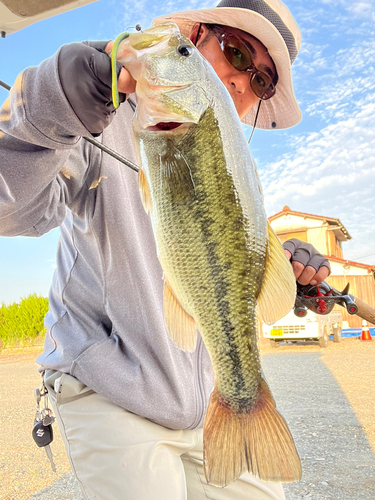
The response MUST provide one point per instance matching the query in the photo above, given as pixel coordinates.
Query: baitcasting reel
(321, 299)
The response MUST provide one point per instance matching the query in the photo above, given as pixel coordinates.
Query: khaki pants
(116, 455)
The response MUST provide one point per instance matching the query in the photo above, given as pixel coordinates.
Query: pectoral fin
(278, 292)
(144, 191)
(176, 175)
(180, 325)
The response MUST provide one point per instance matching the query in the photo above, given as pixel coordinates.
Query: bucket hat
(271, 22)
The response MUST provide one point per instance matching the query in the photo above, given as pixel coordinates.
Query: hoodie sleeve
(43, 160)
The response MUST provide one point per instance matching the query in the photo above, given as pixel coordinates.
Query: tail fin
(259, 442)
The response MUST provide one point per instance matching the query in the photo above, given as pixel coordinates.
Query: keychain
(42, 428)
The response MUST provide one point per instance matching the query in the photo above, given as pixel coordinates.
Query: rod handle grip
(365, 311)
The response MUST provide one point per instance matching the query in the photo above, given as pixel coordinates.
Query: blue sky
(324, 166)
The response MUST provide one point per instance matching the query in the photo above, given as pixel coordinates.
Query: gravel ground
(326, 395)
(24, 468)
(337, 459)
(64, 489)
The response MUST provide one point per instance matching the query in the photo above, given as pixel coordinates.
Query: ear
(194, 32)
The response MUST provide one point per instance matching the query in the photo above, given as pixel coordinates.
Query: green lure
(116, 43)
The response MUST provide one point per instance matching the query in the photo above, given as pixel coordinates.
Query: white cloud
(334, 19)
(329, 169)
(331, 173)
(340, 84)
(310, 59)
(362, 10)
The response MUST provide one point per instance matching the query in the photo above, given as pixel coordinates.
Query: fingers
(308, 274)
(314, 271)
(309, 266)
(320, 276)
(125, 83)
(288, 254)
(91, 100)
(303, 274)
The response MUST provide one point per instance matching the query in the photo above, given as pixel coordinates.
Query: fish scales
(220, 258)
(209, 260)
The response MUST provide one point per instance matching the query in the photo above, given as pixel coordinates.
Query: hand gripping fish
(219, 255)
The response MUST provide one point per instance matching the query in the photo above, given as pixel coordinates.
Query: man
(130, 405)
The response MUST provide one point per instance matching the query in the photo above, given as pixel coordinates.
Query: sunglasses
(239, 56)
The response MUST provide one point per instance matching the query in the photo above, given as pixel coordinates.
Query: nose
(241, 92)
(240, 81)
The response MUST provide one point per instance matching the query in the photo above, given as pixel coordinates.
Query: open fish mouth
(163, 126)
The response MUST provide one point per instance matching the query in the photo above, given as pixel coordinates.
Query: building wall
(318, 238)
(310, 230)
(315, 231)
(337, 268)
(290, 222)
(362, 287)
(334, 246)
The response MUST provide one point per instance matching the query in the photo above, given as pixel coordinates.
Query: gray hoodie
(105, 323)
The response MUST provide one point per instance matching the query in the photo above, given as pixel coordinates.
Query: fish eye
(185, 51)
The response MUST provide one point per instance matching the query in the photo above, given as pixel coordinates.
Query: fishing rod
(5, 85)
(96, 143)
(321, 299)
(318, 298)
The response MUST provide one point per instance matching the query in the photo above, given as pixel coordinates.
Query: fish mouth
(163, 126)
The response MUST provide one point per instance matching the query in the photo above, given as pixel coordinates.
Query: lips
(162, 126)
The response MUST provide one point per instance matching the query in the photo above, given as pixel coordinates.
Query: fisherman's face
(236, 82)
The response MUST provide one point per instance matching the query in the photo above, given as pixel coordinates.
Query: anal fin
(180, 325)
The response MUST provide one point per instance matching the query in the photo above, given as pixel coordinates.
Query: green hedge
(22, 322)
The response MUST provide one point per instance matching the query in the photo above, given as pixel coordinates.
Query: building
(327, 235)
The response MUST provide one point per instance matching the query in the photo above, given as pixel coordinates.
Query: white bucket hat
(272, 23)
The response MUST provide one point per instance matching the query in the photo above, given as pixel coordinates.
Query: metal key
(50, 457)
(47, 417)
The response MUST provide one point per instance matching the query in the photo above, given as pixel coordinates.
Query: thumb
(109, 46)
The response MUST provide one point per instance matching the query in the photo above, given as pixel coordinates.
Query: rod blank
(96, 143)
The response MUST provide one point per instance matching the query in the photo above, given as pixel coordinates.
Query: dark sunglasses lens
(269, 93)
(262, 85)
(237, 54)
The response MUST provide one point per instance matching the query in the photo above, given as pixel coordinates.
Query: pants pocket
(64, 388)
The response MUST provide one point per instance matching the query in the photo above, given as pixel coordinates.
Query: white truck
(292, 328)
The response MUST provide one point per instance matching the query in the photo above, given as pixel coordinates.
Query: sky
(324, 166)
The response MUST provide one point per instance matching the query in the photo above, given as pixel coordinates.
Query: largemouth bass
(220, 258)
